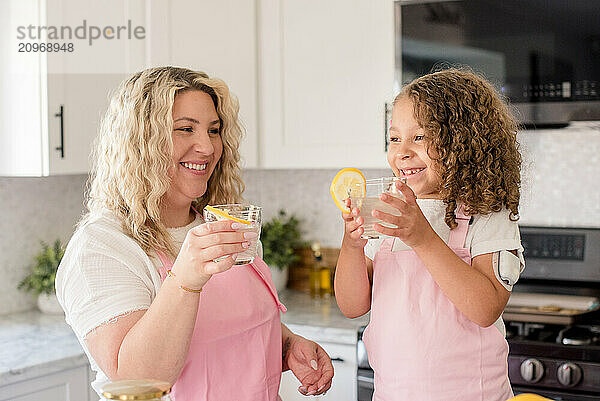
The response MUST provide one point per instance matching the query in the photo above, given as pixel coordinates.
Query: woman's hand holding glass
(208, 249)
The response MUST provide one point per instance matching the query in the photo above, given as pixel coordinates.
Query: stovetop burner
(579, 342)
(579, 335)
(547, 333)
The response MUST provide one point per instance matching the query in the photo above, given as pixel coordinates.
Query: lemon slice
(221, 213)
(342, 182)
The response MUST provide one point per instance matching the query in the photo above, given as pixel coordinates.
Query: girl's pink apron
(420, 346)
(235, 353)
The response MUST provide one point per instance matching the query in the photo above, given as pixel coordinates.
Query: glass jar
(150, 390)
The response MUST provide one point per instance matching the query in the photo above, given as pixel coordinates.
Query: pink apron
(235, 353)
(420, 346)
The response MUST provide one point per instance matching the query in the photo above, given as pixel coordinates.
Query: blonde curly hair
(471, 133)
(133, 152)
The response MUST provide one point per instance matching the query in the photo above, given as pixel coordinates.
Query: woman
(138, 281)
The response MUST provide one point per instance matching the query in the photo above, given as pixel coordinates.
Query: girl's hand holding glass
(353, 227)
(411, 225)
(195, 263)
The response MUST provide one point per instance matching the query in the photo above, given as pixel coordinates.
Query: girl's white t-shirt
(489, 233)
(105, 274)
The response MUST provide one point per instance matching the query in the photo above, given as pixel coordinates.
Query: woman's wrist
(186, 284)
(285, 349)
(172, 275)
(184, 278)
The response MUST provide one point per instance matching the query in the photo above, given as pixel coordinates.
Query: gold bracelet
(198, 291)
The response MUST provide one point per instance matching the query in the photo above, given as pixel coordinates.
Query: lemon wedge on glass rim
(226, 215)
(341, 184)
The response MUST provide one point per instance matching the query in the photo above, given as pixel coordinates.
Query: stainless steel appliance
(552, 319)
(364, 375)
(544, 55)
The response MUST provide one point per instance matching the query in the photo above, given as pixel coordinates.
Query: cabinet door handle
(62, 132)
(337, 359)
(386, 107)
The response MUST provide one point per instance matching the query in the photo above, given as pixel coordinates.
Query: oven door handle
(366, 382)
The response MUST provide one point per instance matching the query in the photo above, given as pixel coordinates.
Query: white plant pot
(280, 277)
(48, 303)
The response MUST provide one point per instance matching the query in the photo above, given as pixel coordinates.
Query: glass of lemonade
(370, 201)
(249, 215)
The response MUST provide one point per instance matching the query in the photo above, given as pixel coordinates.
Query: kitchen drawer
(66, 385)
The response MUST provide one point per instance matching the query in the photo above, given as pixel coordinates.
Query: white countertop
(319, 319)
(33, 344)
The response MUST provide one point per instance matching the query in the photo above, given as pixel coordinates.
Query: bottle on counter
(314, 278)
(320, 274)
(151, 390)
(325, 278)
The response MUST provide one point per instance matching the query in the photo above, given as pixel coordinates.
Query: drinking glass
(370, 201)
(249, 215)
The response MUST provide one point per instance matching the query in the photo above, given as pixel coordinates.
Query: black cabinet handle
(385, 125)
(62, 132)
(337, 360)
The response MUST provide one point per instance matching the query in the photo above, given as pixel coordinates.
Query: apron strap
(166, 264)
(459, 233)
(272, 290)
(387, 244)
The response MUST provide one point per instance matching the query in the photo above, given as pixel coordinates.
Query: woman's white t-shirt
(490, 233)
(105, 274)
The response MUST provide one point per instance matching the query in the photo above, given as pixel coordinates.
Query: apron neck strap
(166, 264)
(459, 233)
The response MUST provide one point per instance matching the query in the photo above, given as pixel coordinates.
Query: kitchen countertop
(319, 319)
(33, 344)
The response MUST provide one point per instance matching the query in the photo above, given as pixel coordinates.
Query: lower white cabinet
(66, 385)
(343, 386)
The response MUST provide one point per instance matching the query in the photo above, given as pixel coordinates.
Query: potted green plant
(281, 237)
(40, 280)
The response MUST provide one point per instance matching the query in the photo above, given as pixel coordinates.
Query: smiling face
(407, 153)
(197, 146)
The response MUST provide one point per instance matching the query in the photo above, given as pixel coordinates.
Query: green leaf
(281, 236)
(43, 270)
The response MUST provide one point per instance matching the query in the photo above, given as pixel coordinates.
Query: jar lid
(136, 389)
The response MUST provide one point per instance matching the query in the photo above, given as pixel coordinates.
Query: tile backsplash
(33, 210)
(560, 187)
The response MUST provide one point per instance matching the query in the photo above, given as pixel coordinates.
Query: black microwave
(543, 55)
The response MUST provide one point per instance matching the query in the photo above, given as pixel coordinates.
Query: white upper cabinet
(219, 38)
(312, 77)
(326, 71)
(52, 101)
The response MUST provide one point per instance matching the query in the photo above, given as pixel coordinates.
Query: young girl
(437, 285)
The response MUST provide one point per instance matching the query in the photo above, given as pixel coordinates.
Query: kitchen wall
(32, 210)
(560, 187)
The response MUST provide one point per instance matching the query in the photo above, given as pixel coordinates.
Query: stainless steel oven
(553, 316)
(364, 374)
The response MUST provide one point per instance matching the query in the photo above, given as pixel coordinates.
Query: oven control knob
(569, 374)
(532, 370)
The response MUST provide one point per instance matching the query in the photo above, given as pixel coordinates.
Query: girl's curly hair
(471, 133)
